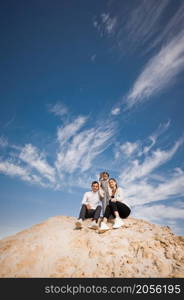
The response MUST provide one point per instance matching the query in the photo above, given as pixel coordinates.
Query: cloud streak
(172, 215)
(66, 132)
(157, 158)
(14, 170)
(59, 109)
(142, 21)
(36, 160)
(76, 150)
(83, 148)
(159, 73)
(160, 212)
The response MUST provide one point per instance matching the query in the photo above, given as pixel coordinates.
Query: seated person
(91, 207)
(117, 206)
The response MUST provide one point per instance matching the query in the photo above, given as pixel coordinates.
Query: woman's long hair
(114, 181)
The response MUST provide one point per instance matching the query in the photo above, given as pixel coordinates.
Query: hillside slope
(55, 248)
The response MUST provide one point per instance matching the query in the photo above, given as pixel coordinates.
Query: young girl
(104, 189)
(117, 206)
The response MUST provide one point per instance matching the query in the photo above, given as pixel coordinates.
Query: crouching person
(91, 207)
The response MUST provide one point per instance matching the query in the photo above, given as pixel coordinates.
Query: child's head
(104, 175)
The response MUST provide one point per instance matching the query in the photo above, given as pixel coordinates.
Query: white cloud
(142, 192)
(13, 170)
(83, 149)
(159, 212)
(116, 111)
(138, 148)
(110, 25)
(36, 160)
(159, 73)
(170, 215)
(153, 138)
(135, 24)
(68, 131)
(107, 24)
(129, 148)
(59, 109)
(76, 150)
(157, 158)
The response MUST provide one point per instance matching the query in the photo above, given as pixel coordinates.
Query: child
(104, 189)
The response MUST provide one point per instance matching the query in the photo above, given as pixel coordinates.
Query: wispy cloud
(58, 109)
(160, 212)
(83, 148)
(128, 148)
(143, 20)
(109, 22)
(134, 25)
(66, 132)
(34, 158)
(172, 215)
(141, 177)
(157, 158)
(142, 192)
(106, 24)
(171, 29)
(14, 170)
(76, 150)
(159, 73)
(154, 136)
(140, 26)
(116, 111)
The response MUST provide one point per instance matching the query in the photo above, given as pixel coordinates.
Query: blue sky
(88, 86)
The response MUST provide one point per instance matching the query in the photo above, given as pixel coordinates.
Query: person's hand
(88, 206)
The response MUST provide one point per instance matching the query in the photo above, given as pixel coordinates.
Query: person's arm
(101, 193)
(85, 201)
(119, 195)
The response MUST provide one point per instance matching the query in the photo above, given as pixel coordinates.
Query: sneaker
(118, 223)
(78, 224)
(93, 225)
(103, 227)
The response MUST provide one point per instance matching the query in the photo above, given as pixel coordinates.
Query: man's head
(95, 186)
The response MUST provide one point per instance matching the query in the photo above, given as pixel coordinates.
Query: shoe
(93, 225)
(78, 224)
(103, 227)
(118, 223)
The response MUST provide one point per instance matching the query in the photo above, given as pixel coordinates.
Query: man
(91, 207)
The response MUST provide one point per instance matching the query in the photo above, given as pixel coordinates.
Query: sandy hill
(55, 248)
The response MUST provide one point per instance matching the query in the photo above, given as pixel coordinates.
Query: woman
(117, 207)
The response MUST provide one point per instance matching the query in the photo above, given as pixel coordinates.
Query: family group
(105, 201)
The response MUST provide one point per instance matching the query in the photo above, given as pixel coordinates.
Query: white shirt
(92, 198)
(119, 196)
